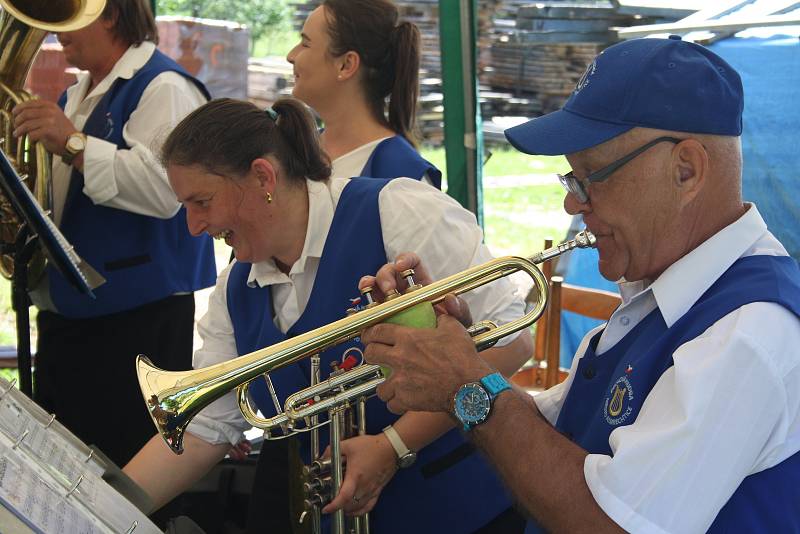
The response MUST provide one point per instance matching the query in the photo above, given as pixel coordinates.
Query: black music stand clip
(36, 230)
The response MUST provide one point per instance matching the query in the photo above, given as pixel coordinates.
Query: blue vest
(143, 259)
(395, 157)
(447, 470)
(607, 393)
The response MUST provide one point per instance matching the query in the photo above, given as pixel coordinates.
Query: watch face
(407, 460)
(472, 404)
(76, 143)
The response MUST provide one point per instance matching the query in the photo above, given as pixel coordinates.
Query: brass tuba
(23, 26)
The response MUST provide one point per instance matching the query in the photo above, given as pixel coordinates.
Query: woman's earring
(269, 197)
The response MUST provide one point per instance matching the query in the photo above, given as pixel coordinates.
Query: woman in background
(352, 56)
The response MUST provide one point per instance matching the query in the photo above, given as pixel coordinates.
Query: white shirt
(131, 180)
(414, 217)
(351, 164)
(728, 408)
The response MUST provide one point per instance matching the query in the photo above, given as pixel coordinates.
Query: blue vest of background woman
(394, 156)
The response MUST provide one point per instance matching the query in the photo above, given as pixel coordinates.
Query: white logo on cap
(584, 81)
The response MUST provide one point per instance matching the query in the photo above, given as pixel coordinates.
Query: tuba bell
(23, 26)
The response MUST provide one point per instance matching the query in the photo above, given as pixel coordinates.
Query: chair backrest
(594, 303)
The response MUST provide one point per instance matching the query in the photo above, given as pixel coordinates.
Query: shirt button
(589, 373)
(624, 320)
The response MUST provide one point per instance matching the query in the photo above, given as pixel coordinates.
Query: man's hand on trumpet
(371, 464)
(428, 365)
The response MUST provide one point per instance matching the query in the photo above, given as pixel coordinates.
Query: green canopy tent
(462, 120)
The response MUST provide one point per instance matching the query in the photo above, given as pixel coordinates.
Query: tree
(261, 16)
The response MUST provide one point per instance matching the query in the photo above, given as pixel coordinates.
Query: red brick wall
(50, 74)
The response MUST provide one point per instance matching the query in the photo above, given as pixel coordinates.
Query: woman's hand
(240, 450)
(371, 464)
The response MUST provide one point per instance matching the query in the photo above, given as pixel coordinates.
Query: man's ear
(349, 63)
(690, 169)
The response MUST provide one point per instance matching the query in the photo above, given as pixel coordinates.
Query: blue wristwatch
(473, 401)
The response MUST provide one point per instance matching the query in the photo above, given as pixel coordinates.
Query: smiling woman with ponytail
(259, 180)
(357, 65)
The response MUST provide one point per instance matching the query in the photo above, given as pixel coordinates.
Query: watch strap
(397, 442)
(495, 384)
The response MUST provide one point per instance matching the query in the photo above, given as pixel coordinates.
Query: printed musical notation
(51, 481)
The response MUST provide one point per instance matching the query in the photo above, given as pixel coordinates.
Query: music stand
(36, 230)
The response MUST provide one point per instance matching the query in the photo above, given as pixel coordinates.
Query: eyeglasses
(579, 187)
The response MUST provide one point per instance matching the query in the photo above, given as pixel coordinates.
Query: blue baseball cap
(666, 84)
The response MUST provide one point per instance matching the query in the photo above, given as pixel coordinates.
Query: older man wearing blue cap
(682, 413)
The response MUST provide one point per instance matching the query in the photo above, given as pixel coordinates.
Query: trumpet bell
(166, 406)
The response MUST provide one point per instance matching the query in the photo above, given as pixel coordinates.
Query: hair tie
(272, 114)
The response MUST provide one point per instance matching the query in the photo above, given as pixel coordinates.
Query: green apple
(418, 316)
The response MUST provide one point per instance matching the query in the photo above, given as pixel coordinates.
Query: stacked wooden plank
(529, 55)
(539, 51)
(268, 79)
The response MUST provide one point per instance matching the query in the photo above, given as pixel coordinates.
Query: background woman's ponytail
(405, 43)
(389, 67)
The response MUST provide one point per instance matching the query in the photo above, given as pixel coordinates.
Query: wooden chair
(545, 372)
(8, 357)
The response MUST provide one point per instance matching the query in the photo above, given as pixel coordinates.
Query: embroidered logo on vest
(109, 126)
(617, 406)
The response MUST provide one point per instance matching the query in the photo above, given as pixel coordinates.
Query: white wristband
(397, 442)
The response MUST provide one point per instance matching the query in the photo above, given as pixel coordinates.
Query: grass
(519, 218)
(504, 161)
(521, 213)
(8, 333)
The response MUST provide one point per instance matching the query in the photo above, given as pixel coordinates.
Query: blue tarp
(770, 70)
(769, 63)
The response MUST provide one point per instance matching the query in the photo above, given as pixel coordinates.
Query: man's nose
(573, 207)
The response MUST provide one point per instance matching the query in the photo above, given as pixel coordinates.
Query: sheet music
(50, 482)
(49, 445)
(38, 504)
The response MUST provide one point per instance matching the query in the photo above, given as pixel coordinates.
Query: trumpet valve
(392, 294)
(408, 274)
(317, 485)
(314, 501)
(366, 292)
(317, 467)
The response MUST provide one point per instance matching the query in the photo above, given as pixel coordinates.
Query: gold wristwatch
(76, 143)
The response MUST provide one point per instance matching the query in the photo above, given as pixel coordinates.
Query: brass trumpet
(173, 398)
